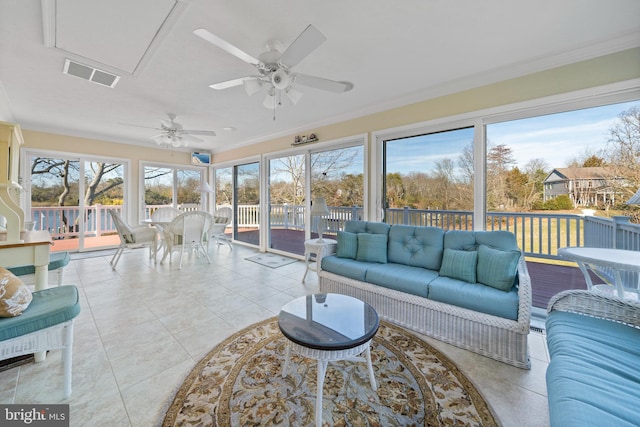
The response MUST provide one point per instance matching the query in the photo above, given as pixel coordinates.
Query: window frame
(587, 98)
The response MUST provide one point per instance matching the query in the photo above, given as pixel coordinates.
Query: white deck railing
(538, 234)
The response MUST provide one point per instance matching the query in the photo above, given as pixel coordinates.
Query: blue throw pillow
(372, 248)
(459, 265)
(347, 245)
(497, 268)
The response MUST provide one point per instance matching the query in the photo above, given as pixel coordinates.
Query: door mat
(271, 260)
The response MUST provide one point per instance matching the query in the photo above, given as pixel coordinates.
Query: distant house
(585, 186)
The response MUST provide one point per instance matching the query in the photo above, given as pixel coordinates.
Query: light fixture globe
(270, 100)
(280, 79)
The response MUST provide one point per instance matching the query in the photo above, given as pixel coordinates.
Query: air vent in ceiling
(89, 73)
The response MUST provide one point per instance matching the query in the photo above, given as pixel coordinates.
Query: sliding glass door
(287, 195)
(336, 175)
(71, 198)
(247, 203)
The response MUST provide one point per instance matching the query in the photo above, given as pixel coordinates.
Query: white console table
(33, 249)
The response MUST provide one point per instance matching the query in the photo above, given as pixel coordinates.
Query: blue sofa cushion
(593, 377)
(460, 240)
(366, 227)
(347, 245)
(56, 260)
(346, 267)
(403, 278)
(416, 246)
(497, 268)
(475, 296)
(498, 239)
(49, 307)
(372, 248)
(459, 265)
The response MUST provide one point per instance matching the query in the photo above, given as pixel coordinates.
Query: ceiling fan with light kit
(172, 133)
(275, 68)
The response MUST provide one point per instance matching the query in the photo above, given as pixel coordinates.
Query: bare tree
(623, 152)
(499, 160)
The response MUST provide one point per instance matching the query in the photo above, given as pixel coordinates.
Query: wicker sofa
(454, 286)
(594, 345)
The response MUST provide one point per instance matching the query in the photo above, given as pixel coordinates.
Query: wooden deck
(546, 279)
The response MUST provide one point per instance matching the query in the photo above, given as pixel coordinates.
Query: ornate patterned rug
(239, 383)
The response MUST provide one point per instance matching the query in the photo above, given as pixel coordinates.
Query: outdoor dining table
(618, 260)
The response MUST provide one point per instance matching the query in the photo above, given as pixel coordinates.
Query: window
(170, 186)
(70, 197)
(428, 179)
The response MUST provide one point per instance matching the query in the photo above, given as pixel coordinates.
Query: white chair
(165, 213)
(189, 229)
(221, 219)
(188, 207)
(161, 218)
(136, 236)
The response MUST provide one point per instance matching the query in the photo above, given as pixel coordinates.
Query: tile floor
(144, 326)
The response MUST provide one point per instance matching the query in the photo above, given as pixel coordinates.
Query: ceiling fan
(275, 68)
(172, 133)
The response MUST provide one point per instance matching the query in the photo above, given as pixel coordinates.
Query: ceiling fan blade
(199, 132)
(307, 42)
(138, 126)
(189, 138)
(322, 84)
(225, 45)
(229, 83)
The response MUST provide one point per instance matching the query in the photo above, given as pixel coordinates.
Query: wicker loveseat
(470, 289)
(594, 346)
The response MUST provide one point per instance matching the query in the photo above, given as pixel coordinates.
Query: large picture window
(554, 180)
(428, 179)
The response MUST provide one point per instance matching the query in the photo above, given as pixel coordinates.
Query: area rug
(239, 383)
(271, 260)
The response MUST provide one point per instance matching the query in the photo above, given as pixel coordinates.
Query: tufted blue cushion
(416, 246)
(347, 245)
(372, 248)
(497, 268)
(459, 265)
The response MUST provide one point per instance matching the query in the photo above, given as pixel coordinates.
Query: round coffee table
(328, 328)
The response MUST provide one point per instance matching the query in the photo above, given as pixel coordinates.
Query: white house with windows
(585, 186)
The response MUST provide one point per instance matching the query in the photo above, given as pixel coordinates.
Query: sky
(556, 138)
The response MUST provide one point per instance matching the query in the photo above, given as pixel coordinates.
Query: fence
(538, 234)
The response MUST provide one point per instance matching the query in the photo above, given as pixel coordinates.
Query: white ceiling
(395, 53)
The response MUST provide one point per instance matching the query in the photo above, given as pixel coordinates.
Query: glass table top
(328, 321)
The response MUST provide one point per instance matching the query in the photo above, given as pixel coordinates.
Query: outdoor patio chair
(187, 230)
(165, 213)
(133, 236)
(221, 219)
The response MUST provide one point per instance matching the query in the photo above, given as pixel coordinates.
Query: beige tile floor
(144, 326)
